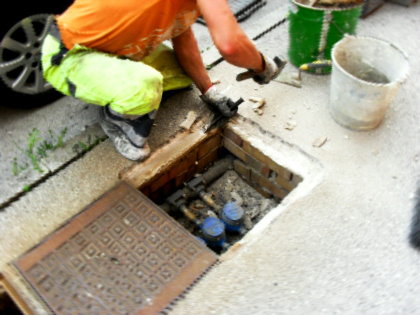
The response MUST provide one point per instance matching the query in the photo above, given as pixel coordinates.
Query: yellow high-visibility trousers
(129, 87)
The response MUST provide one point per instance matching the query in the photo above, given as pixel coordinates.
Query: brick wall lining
(261, 172)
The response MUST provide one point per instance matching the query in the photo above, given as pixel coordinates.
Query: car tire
(22, 84)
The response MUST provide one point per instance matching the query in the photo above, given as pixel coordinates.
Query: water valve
(213, 232)
(233, 216)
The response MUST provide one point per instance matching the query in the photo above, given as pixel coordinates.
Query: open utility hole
(221, 189)
(7, 305)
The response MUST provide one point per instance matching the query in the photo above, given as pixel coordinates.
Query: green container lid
(313, 31)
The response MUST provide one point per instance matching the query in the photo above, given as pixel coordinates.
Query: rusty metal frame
(122, 254)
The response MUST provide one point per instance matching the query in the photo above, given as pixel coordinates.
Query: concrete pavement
(336, 244)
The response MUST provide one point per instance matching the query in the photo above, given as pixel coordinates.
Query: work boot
(129, 133)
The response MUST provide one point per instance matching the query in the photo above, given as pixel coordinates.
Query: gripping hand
(220, 101)
(272, 69)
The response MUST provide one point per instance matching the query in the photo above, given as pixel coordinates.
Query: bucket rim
(347, 37)
(354, 6)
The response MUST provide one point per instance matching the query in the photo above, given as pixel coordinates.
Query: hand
(272, 69)
(220, 101)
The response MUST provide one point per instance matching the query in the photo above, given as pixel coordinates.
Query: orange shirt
(133, 28)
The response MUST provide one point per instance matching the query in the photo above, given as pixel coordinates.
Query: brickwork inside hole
(268, 177)
(251, 167)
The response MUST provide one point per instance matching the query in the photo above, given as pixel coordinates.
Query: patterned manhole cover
(121, 255)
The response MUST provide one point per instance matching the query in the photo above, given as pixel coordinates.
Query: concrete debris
(248, 223)
(259, 103)
(293, 79)
(265, 205)
(231, 187)
(215, 81)
(211, 213)
(188, 122)
(319, 142)
(239, 201)
(290, 124)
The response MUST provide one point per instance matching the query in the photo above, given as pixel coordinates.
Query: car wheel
(22, 82)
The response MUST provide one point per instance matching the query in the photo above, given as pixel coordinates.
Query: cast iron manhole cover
(121, 255)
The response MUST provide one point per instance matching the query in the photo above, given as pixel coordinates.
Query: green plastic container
(313, 31)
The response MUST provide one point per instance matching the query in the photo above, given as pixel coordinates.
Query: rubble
(290, 124)
(248, 223)
(188, 122)
(231, 187)
(259, 103)
(211, 213)
(239, 201)
(319, 142)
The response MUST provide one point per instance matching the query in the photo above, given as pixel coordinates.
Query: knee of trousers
(140, 96)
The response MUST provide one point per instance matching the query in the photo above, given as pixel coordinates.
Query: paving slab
(340, 247)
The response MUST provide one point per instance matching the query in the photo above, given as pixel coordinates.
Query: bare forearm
(189, 57)
(229, 38)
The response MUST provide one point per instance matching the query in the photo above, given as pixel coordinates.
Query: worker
(111, 53)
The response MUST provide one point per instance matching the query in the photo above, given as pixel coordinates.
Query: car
(23, 28)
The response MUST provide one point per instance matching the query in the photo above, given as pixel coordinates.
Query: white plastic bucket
(366, 75)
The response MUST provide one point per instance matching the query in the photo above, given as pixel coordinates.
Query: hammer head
(280, 63)
(250, 74)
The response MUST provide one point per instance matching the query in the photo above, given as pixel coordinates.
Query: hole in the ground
(7, 305)
(221, 189)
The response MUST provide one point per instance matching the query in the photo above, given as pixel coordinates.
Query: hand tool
(283, 77)
(315, 65)
(294, 79)
(220, 119)
(249, 74)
